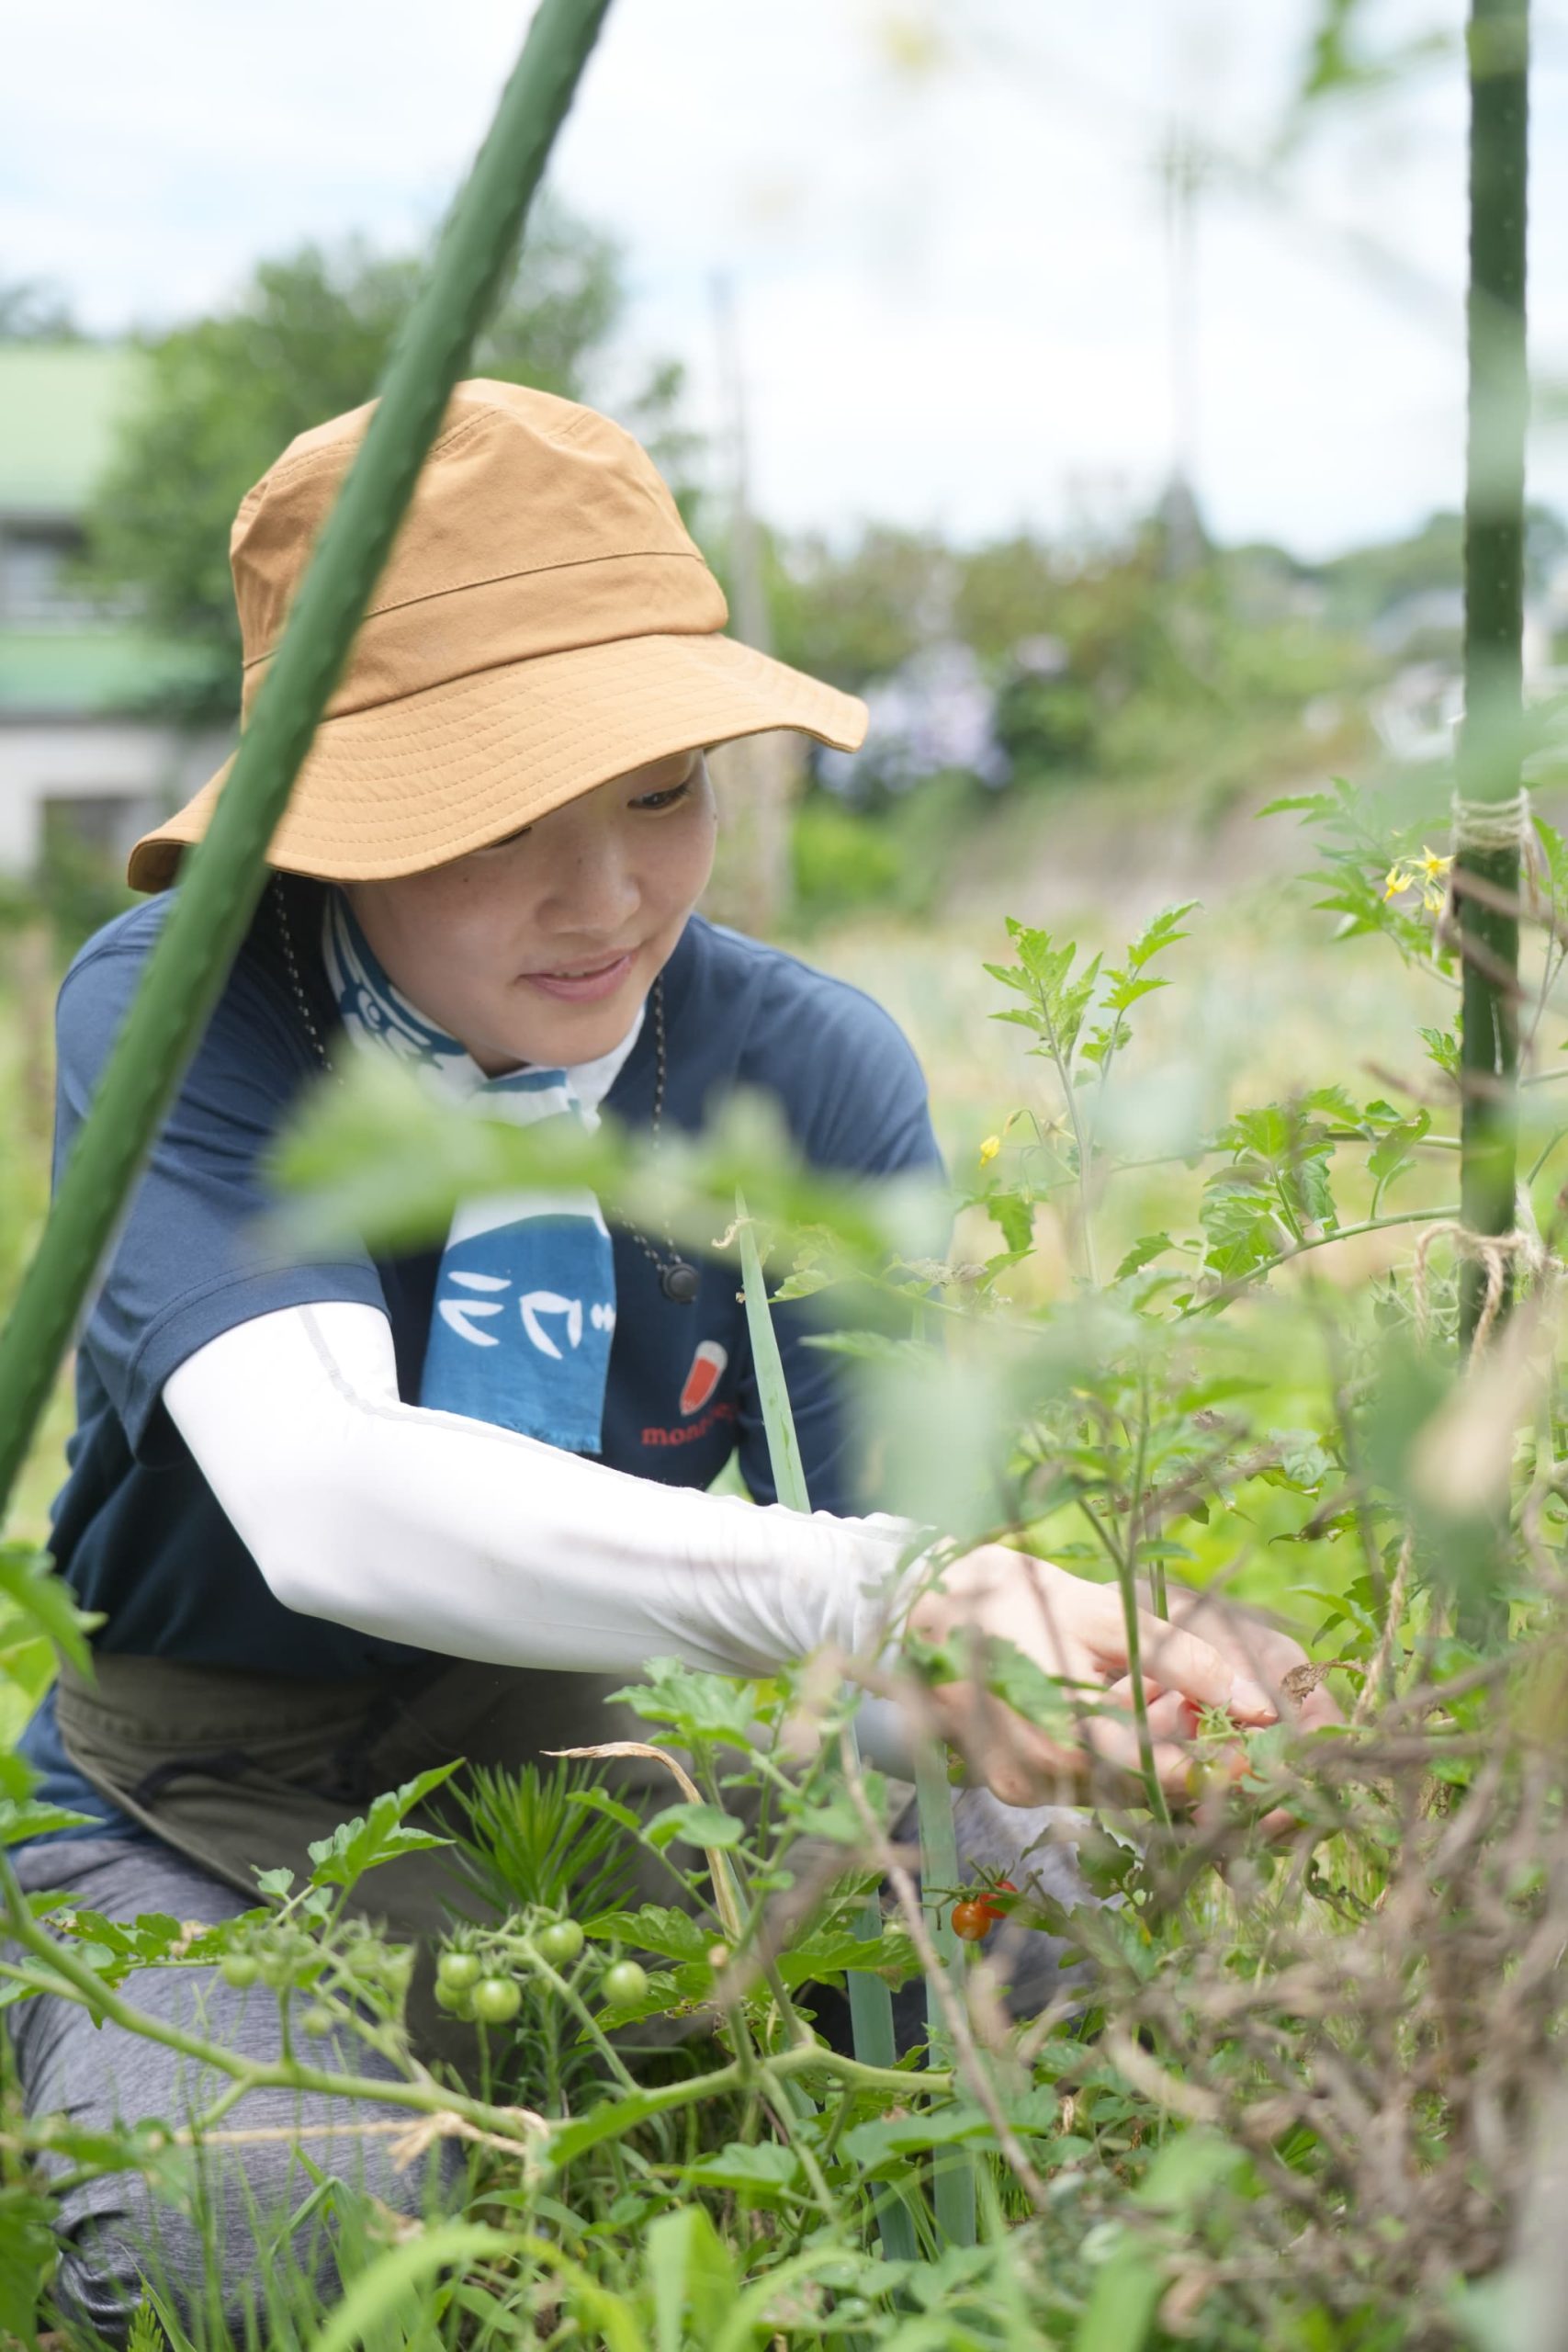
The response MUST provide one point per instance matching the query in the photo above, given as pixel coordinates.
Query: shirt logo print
(707, 1370)
(460, 1314)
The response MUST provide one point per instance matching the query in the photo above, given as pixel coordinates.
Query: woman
(302, 1491)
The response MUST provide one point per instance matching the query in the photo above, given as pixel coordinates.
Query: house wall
(119, 777)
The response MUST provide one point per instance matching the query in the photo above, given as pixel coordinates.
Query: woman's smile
(585, 984)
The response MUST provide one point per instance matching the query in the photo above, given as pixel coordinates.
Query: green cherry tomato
(459, 2003)
(317, 2020)
(240, 1969)
(560, 1943)
(497, 2000)
(458, 1971)
(625, 1985)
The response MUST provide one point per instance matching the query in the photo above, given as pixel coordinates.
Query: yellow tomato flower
(990, 1150)
(1427, 873)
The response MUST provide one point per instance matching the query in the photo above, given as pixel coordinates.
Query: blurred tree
(1363, 583)
(1007, 590)
(32, 311)
(308, 338)
(853, 617)
(1367, 580)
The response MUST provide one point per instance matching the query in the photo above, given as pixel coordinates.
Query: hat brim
(407, 785)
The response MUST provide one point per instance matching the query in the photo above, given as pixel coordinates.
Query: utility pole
(756, 777)
(1182, 169)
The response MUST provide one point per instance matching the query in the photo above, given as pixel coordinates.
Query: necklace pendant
(680, 1281)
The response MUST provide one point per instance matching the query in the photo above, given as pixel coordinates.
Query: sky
(942, 222)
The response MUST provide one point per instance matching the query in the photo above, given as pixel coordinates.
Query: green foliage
(39, 1617)
(27, 2254)
(530, 1841)
(1340, 65)
(842, 860)
(1057, 995)
(1060, 991)
(1171, 2152)
(1131, 982)
(707, 1710)
(1100, 660)
(381, 1836)
(75, 888)
(39, 1606)
(665, 2213)
(887, 853)
(145, 2335)
(850, 618)
(1359, 860)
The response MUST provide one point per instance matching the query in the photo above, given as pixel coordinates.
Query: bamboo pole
(1487, 826)
(212, 909)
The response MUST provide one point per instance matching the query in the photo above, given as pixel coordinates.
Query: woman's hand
(1254, 1648)
(1076, 1632)
(1271, 1658)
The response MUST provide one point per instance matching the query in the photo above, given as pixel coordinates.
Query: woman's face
(540, 949)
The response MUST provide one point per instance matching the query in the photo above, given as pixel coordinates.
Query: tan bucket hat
(545, 622)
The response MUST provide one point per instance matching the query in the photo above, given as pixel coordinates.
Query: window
(36, 574)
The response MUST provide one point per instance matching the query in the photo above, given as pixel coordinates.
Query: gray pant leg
(1033, 1845)
(111, 2229)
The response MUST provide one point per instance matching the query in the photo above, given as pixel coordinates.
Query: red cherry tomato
(977, 1914)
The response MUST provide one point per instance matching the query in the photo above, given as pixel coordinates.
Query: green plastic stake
(228, 872)
(952, 2169)
(871, 2001)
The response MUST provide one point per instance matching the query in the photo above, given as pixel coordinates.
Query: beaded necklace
(678, 1279)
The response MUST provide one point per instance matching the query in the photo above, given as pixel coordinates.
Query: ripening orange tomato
(977, 1914)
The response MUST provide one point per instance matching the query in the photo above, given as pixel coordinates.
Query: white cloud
(953, 291)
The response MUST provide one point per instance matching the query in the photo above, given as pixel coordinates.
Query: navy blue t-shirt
(137, 1531)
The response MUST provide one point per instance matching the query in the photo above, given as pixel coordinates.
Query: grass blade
(377, 2293)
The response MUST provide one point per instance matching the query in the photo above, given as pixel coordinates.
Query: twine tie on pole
(1495, 1252)
(1490, 824)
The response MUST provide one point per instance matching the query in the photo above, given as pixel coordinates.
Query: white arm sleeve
(457, 1536)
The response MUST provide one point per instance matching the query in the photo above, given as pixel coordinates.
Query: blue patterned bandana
(525, 1299)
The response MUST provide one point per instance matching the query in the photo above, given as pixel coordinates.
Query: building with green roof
(84, 748)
